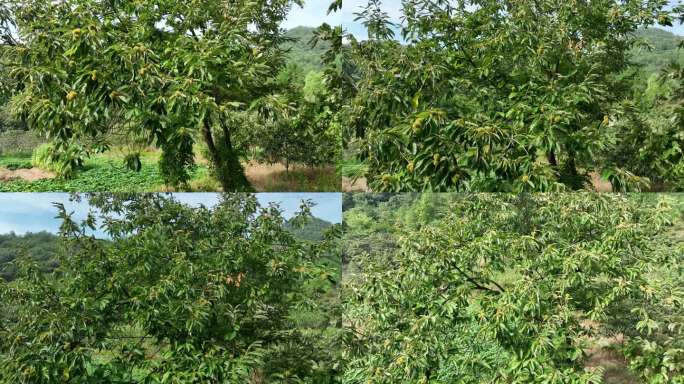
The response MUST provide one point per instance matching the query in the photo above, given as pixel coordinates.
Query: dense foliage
(493, 95)
(513, 289)
(299, 124)
(176, 295)
(301, 121)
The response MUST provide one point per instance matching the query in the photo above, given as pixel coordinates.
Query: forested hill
(313, 230)
(665, 49)
(41, 246)
(301, 52)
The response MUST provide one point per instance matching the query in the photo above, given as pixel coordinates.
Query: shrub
(64, 162)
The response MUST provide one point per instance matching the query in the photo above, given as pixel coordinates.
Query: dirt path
(615, 368)
(357, 186)
(599, 184)
(32, 174)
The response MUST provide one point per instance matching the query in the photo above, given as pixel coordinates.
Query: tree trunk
(225, 162)
(575, 180)
(209, 140)
(226, 136)
(552, 159)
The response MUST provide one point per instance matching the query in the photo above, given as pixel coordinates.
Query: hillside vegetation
(41, 248)
(302, 53)
(660, 50)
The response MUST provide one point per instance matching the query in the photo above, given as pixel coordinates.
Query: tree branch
(477, 285)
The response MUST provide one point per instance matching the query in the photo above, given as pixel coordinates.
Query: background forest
(514, 96)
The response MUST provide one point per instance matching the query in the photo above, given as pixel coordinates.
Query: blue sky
(393, 9)
(312, 14)
(33, 212)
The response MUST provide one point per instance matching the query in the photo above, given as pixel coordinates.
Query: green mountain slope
(313, 230)
(664, 49)
(301, 52)
(41, 247)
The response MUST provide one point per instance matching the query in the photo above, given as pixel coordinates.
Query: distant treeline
(302, 53)
(42, 247)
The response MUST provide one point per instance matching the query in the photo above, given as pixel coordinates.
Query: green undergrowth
(15, 162)
(100, 174)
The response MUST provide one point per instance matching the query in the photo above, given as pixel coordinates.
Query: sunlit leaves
(85, 70)
(515, 289)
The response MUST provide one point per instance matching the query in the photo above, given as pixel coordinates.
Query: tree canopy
(176, 75)
(496, 95)
(177, 295)
(516, 289)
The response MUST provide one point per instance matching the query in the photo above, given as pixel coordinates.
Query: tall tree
(169, 73)
(517, 289)
(178, 294)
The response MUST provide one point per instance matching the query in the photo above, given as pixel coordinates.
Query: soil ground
(615, 368)
(32, 174)
(354, 186)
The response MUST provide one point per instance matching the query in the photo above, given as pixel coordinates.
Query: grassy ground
(101, 173)
(107, 172)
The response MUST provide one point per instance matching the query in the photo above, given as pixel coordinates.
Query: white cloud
(313, 14)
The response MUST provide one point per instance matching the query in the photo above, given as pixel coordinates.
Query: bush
(64, 162)
(42, 157)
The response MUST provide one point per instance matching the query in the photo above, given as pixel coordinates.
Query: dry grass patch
(274, 178)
